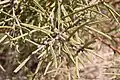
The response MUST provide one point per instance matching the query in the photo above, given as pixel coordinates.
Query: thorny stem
(109, 45)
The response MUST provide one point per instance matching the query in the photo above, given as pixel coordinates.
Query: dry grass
(59, 40)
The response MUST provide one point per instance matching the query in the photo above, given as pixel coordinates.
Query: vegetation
(46, 38)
